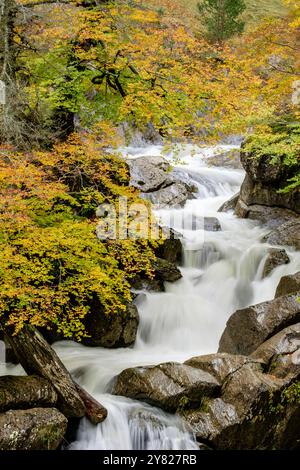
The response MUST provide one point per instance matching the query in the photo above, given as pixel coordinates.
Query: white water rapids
(221, 272)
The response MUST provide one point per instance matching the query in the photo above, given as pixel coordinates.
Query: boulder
(230, 205)
(287, 234)
(171, 248)
(272, 217)
(26, 392)
(220, 365)
(229, 159)
(166, 271)
(169, 386)
(34, 429)
(248, 328)
(276, 257)
(250, 413)
(211, 224)
(264, 179)
(149, 174)
(288, 285)
(281, 353)
(175, 195)
(156, 180)
(113, 331)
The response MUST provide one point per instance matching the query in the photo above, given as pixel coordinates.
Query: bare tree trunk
(95, 412)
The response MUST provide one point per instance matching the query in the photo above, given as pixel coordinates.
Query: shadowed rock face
(246, 329)
(288, 285)
(168, 386)
(34, 429)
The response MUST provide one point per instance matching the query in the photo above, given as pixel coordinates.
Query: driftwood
(37, 357)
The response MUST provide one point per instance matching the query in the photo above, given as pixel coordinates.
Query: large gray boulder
(288, 285)
(287, 234)
(168, 386)
(26, 392)
(156, 180)
(276, 257)
(248, 328)
(34, 429)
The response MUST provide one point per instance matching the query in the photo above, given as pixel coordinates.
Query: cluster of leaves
(53, 267)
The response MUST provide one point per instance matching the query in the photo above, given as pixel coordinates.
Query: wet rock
(288, 285)
(281, 353)
(276, 257)
(220, 365)
(287, 234)
(111, 331)
(168, 386)
(166, 271)
(160, 184)
(249, 414)
(212, 224)
(230, 205)
(272, 217)
(35, 429)
(25, 392)
(150, 285)
(175, 195)
(171, 249)
(248, 328)
(149, 174)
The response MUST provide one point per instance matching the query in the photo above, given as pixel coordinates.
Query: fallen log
(95, 412)
(37, 357)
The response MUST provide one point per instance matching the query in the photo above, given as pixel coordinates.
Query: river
(221, 272)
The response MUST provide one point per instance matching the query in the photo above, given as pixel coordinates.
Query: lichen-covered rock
(111, 331)
(34, 429)
(248, 328)
(25, 392)
(276, 257)
(220, 365)
(168, 386)
(288, 285)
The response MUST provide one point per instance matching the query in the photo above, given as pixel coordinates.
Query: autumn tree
(221, 18)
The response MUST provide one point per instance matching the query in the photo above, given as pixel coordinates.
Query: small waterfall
(221, 272)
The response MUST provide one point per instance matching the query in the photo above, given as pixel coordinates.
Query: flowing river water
(222, 271)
